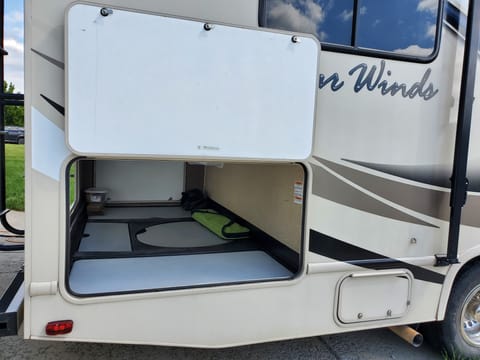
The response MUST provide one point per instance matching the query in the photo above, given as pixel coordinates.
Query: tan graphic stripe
(434, 203)
(332, 188)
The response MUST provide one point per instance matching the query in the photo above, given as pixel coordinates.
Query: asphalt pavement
(372, 345)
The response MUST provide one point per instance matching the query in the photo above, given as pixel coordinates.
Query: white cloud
(431, 31)
(13, 43)
(346, 15)
(14, 17)
(14, 63)
(363, 10)
(414, 50)
(14, 25)
(428, 5)
(15, 32)
(289, 17)
(315, 12)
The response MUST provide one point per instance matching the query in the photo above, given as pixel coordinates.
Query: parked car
(14, 134)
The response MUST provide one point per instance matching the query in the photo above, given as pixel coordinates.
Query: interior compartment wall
(261, 194)
(140, 180)
(194, 177)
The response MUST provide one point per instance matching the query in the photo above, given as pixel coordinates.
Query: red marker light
(59, 327)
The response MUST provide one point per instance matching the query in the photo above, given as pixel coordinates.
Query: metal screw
(413, 240)
(208, 26)
(360, 315)
(389, 312)
(295, 39)
(106, 11)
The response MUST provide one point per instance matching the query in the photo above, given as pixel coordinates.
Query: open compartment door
(142, 84)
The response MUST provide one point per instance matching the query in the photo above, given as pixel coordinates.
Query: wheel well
(447, 289)
(468, 265)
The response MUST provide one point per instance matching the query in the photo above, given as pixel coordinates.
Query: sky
(13, 43)
(403, 26)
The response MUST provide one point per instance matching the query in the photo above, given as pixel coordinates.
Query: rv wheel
(460, 330)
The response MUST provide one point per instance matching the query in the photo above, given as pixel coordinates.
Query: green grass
(454, 356)
(73, 181)
(15, 176)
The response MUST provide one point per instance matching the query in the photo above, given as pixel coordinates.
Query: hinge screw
(208, 27)
(295, 39)
(106, 11)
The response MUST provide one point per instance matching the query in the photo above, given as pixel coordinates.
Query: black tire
(21, 140)
(459, 332)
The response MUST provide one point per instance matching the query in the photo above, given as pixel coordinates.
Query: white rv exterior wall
(357, 126)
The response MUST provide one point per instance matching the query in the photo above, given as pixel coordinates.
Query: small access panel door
(143, 84)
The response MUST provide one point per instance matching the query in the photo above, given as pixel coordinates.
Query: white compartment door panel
(142, 84)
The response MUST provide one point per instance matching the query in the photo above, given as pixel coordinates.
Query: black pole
(3, 206)
(459, 179)
(6, 99)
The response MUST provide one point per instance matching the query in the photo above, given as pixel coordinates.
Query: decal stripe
(334, 189)
(50, 59)
(430, 202)
(430, 174)
(339, 250)
(56, 106)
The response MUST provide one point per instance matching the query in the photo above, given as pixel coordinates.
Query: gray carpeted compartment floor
(180, 234)
(108, 236)
(103, 276)
(130, 274)
(105, 237)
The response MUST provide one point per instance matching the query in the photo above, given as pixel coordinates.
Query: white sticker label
(298, 192)
(48, 146)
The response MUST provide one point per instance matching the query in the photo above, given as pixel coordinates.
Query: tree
(13, 114)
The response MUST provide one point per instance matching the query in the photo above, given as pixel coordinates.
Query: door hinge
(43, 288)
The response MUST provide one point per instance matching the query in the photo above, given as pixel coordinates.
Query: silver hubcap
(471, 318)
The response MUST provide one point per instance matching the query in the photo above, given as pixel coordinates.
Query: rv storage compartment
(369, 296)
(145, 240)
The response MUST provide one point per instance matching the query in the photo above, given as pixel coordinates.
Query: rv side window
(399, 27)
